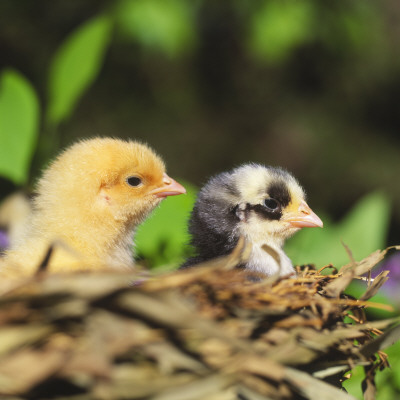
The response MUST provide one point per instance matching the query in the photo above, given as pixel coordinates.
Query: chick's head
(106, 179)
(263, 204)
(271, 202)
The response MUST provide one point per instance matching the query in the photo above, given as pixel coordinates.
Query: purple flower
(391, 287)
(4, 241)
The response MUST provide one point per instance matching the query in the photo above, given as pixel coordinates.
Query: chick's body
(265, 205)
(89, 201)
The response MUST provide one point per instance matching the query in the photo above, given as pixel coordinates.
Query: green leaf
(75, 66)
(357, 289)
(166, 25)
(357, 28)
(353, 385)
(19, 121)
(278, 27)
(393, 353)
(363, 230)
(163, 238)
(387, 381)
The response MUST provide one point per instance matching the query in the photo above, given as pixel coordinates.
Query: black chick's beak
(170, 187)
(304, 217)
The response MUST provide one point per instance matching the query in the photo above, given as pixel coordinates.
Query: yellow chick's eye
(133, 181)
(272, 204)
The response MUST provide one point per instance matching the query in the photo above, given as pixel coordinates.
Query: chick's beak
(304, 217)
(170, 187)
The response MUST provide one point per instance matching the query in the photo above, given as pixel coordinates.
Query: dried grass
(211, 332)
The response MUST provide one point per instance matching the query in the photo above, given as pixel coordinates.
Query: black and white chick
(265, 205)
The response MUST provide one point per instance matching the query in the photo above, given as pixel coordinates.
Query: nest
(211, 333)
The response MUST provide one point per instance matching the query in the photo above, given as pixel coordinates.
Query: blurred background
(308, 85)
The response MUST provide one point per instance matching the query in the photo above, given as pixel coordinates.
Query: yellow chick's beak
(170, 188)
(304, 217)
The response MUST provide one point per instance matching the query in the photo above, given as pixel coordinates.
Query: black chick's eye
(272, 205)
(133, 181)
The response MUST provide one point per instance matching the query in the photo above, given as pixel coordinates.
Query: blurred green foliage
(362, 28)
(172, 24)
(19, 123)
(163, 240)
(75, 66)
(278, 27)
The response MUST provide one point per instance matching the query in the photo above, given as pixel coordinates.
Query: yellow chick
(89, 202)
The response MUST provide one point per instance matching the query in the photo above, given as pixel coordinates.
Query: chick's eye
(133, 181)
(271, 204)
